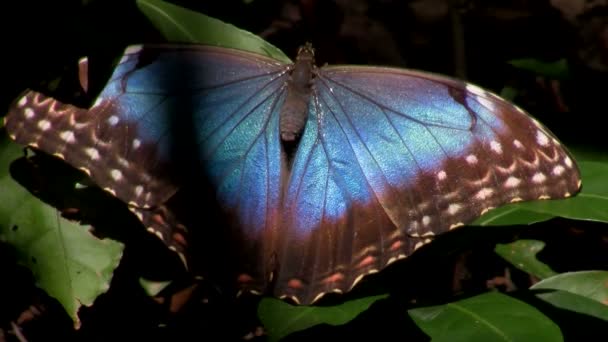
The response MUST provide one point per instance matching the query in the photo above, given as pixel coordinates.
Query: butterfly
(324, 174)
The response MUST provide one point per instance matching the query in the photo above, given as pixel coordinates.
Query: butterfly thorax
(295, 108)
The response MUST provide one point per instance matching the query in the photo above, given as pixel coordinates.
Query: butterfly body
(326, 173)
(295, 108)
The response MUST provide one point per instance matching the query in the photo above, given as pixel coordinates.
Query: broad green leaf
(590, 284)
(584, 153)
(487, 317)
(67, 262)
(178, 24)
(575, 303)
(556, 70)
(589, 204)
(522, 254)
(281, 319)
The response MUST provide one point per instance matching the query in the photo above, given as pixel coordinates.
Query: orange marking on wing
(158, 219)
(396, 245)
(179, 238)
(366, 261)
(295, 283)
(334, 278)
(244, 278)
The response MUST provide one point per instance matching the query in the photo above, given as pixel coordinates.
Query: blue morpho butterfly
(327, 173)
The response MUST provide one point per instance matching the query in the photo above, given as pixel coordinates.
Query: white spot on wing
(518, 144)
(426, 220)
(454, 208)
(136, 143)
(441, 175)
(558, 170)
(67, 136)
(116, 174)
(139, 190)
(123, 162)
(484, 193)
(92, 153)
(44, 125)
(541, 138)
(512, 182)
(22, 102)
(113, 120)
(471, 159)
(539, 177)
(496, 146)
(568, 161)
(29, 113)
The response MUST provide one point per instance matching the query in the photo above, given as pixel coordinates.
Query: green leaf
(588, 153)
(508, 93)
(487, 317)
(178, 24)
(575, 303)
(589, 204)
(522, 254)
(67, 262)
(590, 284)
(281, 319)
(555, 70)
(153, 287)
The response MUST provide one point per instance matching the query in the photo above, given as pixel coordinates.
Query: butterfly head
(306, 54)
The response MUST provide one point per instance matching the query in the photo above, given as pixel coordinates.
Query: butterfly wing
(158, 100)
(390, 158)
